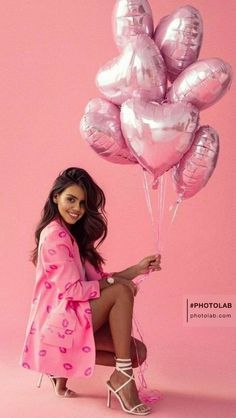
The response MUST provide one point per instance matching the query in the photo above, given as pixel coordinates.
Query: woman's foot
(61, 389)
(129, 393)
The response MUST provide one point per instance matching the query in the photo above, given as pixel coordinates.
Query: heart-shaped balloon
(131, 18)
(202, 83)
(197, 165)
(158, 135)
(179, 38)
(100, 127)
(140, 70)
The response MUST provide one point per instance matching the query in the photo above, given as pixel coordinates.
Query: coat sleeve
(104, 274)
(95, 274)
(56, 252)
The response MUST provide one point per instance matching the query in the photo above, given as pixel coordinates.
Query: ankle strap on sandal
(123, 364)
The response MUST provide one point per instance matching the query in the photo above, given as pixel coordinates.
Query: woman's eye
(71, 199)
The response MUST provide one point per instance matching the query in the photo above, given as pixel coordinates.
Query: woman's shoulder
(55, 230)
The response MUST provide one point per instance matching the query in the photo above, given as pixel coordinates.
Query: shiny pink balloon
(158, 135)
(140, 70)
(202, 83)
(197, 165)
(100, 127)
(179, 38)
(131, 18)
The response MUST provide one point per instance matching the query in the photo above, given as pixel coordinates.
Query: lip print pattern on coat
(42, 352)
(88, 371)
(68, 281)
(67, 366)
(86, 349)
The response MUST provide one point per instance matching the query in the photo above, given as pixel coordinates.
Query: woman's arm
(147, 264)
(130, 273)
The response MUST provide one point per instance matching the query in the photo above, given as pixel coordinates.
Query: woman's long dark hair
(93, 224)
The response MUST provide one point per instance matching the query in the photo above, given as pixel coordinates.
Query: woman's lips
(73, 215)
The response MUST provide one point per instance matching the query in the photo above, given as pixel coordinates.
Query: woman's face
(71, 204)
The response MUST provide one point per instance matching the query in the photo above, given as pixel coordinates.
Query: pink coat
(59, 336)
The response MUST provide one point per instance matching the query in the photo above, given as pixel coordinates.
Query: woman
(81, 315)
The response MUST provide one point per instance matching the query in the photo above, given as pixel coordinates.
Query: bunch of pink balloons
(153, 92)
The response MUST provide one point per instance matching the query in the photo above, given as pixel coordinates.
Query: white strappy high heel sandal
(68, 392)
(122, 365)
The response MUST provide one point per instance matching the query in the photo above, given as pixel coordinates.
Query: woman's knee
(138, 352)
(124, 291)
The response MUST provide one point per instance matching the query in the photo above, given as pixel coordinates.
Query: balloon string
(148, 200)
(141, 377)
(160, 209)
(147, 396)
(175, 207)
(144, 276)
(160, 214)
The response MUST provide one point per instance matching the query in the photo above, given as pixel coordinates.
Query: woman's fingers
(154, 269)
(156, 258)
(154, 265)
(152, 258)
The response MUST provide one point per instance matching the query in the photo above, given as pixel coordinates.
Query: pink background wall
(50, 53)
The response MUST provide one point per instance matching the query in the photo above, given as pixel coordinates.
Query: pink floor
(21, 397)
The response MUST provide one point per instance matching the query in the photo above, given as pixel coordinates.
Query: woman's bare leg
(105, 350)
(115, 305)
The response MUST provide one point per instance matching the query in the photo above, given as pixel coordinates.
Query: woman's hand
(149, 263)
